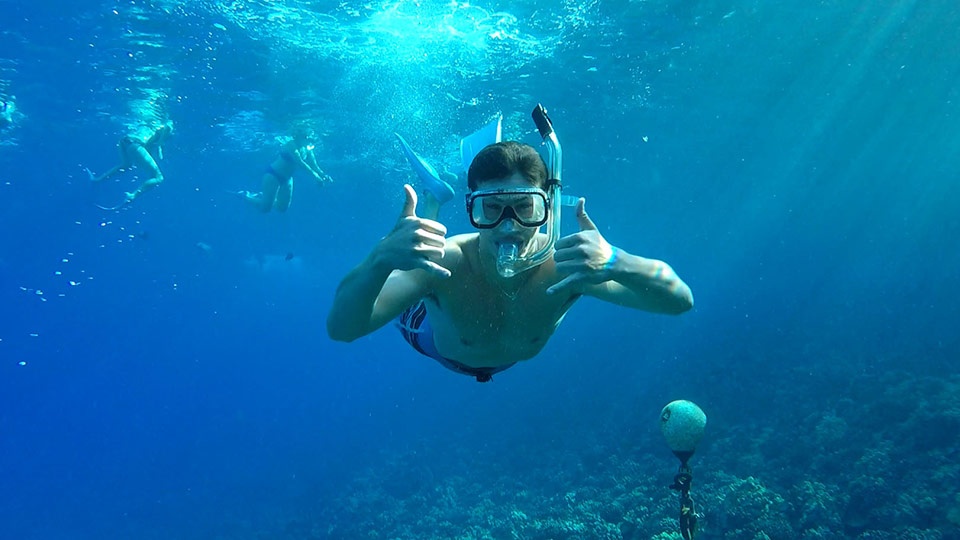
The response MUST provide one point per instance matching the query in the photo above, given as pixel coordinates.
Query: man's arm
(401, 269)
(370, 296)
(642, 283)
(593, 267)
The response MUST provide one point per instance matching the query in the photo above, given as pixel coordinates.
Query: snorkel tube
(509, 260)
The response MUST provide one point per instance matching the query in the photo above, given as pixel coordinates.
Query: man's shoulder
(464, 239)
(455, 247)
(454, 256)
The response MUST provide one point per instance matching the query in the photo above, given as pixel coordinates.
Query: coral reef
(875, 457)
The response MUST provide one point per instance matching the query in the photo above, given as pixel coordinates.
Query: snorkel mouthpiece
(507, 259)
(509, 262)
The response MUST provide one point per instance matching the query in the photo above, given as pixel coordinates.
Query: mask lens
(528, 208)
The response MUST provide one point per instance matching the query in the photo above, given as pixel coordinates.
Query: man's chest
(482, 312)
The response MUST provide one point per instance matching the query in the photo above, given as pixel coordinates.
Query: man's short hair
(504, 159)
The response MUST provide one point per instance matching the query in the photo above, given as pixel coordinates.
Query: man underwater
(451, 301)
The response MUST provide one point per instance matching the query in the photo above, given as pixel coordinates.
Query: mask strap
(569, 200)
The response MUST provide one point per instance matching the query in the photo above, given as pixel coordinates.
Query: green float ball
(682, 424)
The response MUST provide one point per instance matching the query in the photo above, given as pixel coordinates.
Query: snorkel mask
(489, 208)
(509, 260)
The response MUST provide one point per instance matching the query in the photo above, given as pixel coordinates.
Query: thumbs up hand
(583, 258)
(414, 242)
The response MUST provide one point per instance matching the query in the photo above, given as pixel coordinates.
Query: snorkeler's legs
(125, 163)
(428, 205)
(125, 158)
(430, 179)
(143, 160)
(144, 187)
(284, 196)
(104, 176)
(268, 193)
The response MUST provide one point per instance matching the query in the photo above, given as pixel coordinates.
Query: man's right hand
(414, 243)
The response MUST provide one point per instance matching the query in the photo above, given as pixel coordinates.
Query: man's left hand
(584, 258)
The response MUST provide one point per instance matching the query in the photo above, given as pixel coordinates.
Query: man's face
(508, 230)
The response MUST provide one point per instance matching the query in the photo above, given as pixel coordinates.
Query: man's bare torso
(480, 323)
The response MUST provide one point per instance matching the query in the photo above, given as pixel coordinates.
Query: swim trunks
(416, 329)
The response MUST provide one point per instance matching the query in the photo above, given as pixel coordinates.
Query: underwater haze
(165, 370)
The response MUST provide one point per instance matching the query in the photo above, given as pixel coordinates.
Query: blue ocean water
(165, 370)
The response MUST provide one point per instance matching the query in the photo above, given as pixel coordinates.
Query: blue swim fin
(428, 175)
(471, 145)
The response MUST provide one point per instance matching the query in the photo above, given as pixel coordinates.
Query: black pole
(688, 512)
